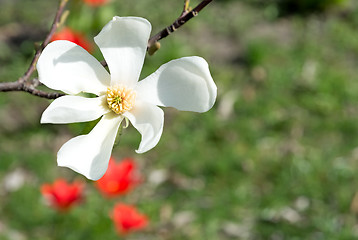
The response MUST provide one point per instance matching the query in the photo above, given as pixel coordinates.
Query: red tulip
(73, 36)
(119, 178)
(127, 219)
(96, 3)
(62, 195)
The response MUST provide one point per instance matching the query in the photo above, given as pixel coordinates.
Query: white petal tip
(185, 84)
(89, 154)
(89, 176)
(44, 119)
(139, 152)
(94, 178)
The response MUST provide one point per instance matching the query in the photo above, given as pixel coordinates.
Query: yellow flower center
(120, 99)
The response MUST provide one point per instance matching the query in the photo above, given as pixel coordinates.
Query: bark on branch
(24, 83)
(185, 16)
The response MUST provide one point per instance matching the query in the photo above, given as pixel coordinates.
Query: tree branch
(185, 16)
(47, 40)
(28, 87)
(22, 84)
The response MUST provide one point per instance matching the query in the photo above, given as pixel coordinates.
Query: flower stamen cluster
(120, 99)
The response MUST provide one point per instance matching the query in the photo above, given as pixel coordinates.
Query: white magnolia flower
(185, 84)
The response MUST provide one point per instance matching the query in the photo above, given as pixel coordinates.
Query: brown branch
(28, 87)
(180, 21)
(47, 40)
(22, 84)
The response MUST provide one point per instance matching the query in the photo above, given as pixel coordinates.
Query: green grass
(276, 158)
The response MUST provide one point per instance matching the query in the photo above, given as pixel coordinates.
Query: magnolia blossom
(185, 84)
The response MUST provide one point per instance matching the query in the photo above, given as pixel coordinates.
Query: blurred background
(276, 158)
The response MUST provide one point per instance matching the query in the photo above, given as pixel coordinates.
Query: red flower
(72, 36)
(62, 195)
(119, 178)
(96, 3)
(126, 219)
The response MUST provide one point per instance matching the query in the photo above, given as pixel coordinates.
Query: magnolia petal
(185, 84)
(148, 119)
(71, 109)
(65, 66)
(123, 43)
(89, 154)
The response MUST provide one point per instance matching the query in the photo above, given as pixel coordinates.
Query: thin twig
(180, 21)
(186, 8)
(22, 83)
(46, 41)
